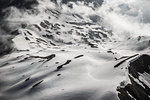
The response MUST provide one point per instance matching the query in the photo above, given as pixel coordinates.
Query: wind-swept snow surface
(74, 50)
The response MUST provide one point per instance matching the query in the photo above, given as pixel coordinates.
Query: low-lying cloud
(127, 18)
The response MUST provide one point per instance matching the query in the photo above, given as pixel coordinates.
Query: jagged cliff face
(70, 50)
(27, 3)
(96, 3)
(71, 28)
(139, 72)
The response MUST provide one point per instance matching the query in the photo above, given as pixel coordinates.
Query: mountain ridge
(56, 52)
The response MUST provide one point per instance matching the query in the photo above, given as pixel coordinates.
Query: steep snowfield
(70, 74)
(58, 52)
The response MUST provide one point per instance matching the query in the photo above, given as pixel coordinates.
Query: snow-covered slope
(53, 50)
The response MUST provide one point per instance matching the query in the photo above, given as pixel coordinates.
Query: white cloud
(127, 17)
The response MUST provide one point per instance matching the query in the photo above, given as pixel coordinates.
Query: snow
(28, 74)
(94, 72)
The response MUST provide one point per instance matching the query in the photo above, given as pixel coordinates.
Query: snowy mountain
(74, 50)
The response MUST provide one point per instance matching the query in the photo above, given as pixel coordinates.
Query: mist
(74, 49)
(127, 18)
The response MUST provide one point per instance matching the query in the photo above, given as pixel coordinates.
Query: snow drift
(74, 50)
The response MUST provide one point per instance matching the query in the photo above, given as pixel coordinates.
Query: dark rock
(96, 3)
(80, 23)
(40, 40)
(43, 25)
(23, 25)
(27, 38)
(109, 51)
(49, 36)
(140, 65)
(57, 63)
(95, 18)
(78, 56)
(29, 33)
(37, 27)
(137, 90)
(16, 32)
(23, 59)
(58, 74)
(27, 79)
(124, 60)
(92, 45)
(48, 31)
(37, 84)
(47, 57)
(61, 66)
(47, 22)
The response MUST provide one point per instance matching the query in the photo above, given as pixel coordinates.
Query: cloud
(5, 43)
(126, 17)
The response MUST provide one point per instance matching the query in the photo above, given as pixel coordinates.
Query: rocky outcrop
(96, 3)
(139, 88)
